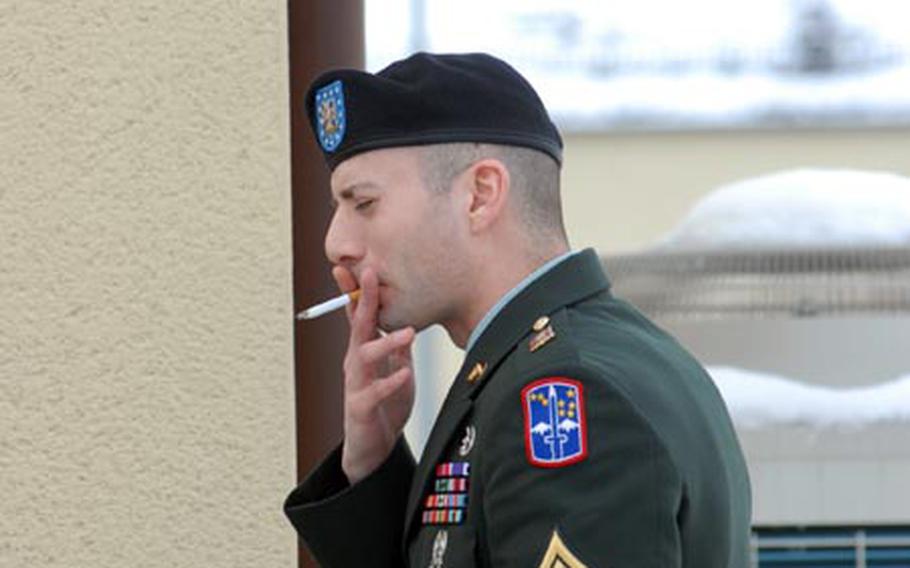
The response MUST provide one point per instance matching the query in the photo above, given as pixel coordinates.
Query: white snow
(652, 64)
(705, 99)
(760, 400)
(799, 208)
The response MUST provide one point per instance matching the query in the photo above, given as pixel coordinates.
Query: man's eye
(363, 205)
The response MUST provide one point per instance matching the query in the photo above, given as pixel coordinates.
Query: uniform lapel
(570, 281)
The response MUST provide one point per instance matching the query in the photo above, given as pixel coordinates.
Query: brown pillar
(322, 34)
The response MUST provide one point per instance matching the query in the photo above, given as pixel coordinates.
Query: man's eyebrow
(350, 191)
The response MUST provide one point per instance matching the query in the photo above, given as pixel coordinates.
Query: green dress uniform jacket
(647, 472)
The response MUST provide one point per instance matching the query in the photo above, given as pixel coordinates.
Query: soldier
(576, 433)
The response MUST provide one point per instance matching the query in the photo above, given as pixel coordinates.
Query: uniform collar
(578, 276)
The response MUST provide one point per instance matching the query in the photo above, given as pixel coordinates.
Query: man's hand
(378, 381)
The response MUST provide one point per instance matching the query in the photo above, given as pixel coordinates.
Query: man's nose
(342, 244)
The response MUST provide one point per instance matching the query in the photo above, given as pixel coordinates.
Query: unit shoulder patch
(558, 555)
(555, 427)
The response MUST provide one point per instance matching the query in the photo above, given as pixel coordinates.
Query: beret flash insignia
(331, 118)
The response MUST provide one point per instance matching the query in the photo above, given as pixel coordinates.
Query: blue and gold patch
(555, 427)
(331, 117)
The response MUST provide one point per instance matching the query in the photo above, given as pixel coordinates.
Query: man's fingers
(384, 388)
(344, 279)
(363, 324)
(396, 342)
(401, 356)
(346, 282)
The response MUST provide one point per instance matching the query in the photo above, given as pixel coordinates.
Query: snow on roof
(799, 208)
(759, 400)
(708, 99)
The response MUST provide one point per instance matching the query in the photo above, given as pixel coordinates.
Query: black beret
(428, 99)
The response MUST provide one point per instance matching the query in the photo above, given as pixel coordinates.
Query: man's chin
(389, 327)
(389, 322)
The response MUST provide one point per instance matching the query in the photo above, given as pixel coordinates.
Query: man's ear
(489, 193)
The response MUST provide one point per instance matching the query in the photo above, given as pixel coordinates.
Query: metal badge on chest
(467, 442)
(543, 333)
(439, 549)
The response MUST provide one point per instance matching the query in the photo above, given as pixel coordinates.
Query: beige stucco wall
(146, 388)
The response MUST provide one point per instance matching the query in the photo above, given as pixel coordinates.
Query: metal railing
(806, 550)
(798, 282)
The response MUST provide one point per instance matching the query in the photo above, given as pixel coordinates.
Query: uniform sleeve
(614, 504)
(358, 525)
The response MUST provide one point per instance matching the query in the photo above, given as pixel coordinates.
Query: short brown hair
(534, 175)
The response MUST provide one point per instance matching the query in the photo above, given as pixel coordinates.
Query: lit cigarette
(329, 305)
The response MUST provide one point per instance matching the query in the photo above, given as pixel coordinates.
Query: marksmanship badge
(331, 118)
(554, 418)
(467, 443)
(439, 549)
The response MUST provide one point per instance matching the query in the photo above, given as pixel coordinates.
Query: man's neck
(495, 280)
